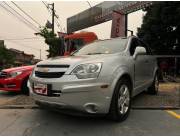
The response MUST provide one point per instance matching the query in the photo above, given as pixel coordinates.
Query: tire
(24, 88)
(120, 111)
(153, 89)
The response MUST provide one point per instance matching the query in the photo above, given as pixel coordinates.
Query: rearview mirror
(139, 51)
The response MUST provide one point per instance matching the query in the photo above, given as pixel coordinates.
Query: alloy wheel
(123, 99)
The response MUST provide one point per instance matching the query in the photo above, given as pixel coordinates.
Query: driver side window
(134, 44)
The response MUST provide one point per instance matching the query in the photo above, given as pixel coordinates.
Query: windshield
(73, 44)
(103, 47)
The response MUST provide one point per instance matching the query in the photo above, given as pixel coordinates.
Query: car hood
(22, 68)
(70, 60)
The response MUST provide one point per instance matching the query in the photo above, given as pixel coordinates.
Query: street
(140, 122)
(43, 122)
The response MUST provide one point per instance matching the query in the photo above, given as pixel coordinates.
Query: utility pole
(40, 54)
(126, 25)
(53, 14)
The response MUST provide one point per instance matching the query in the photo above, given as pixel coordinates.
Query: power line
(45, 4)
(27, 38)
(19, 17)
(58, 24)
(16, 17)
(26, 13)
(19, 44)
(89, 4)
(25, 46)
(31, 38)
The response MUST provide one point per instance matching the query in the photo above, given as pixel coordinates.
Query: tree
(6, 58)
(161, 27)
(55, 43)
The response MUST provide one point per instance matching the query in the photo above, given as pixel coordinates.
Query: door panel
(148, 68)
(140, 68)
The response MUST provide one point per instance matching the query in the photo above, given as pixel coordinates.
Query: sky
(11, 28)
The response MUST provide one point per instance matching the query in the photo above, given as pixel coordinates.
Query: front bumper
(10, 84)
(90, 95)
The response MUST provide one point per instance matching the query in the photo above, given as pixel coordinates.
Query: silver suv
(100, 78)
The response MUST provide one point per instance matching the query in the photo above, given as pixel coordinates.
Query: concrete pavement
(7, 96)
(42, 122)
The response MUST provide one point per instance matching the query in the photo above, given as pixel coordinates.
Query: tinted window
(134, 44)
(148, 50)
(103, 47)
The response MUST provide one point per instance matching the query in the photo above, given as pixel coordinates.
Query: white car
(100, 78)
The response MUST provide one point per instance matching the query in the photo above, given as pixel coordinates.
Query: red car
(15, 79)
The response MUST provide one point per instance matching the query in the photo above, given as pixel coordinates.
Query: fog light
(91, 108)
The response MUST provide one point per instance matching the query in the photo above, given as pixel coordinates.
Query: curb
(19, 107)
(133, 107)
(155, 107)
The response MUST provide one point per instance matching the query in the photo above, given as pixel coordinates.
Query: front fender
(24, 76)
(118, 73)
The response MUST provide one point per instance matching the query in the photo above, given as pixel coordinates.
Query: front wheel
(24, 87)
(121, 101)
(153, 89)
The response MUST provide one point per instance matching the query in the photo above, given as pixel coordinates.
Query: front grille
(3, 74)
(49, 74)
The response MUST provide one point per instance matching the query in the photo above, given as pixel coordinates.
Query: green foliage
(44, 32)
(54, 42)
(6, 58)
(161, 27)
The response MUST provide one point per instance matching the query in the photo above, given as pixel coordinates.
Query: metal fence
(169, 66)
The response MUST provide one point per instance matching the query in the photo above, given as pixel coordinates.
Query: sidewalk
(167, 97)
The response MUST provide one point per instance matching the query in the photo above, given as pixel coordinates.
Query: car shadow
(8, 94)
(65, 124)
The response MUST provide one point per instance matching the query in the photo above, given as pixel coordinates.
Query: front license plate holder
(40, 88)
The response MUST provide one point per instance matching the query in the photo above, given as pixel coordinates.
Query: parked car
(100, 78)
(15, 79)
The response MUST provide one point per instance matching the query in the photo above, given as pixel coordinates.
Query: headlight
(14, 74)
(90, 70)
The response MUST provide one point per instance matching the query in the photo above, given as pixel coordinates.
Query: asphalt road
(42, 122)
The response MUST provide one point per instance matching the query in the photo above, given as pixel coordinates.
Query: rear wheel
(153, 89)
(121, 101)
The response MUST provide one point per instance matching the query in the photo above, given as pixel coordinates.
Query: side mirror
(139, 51)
